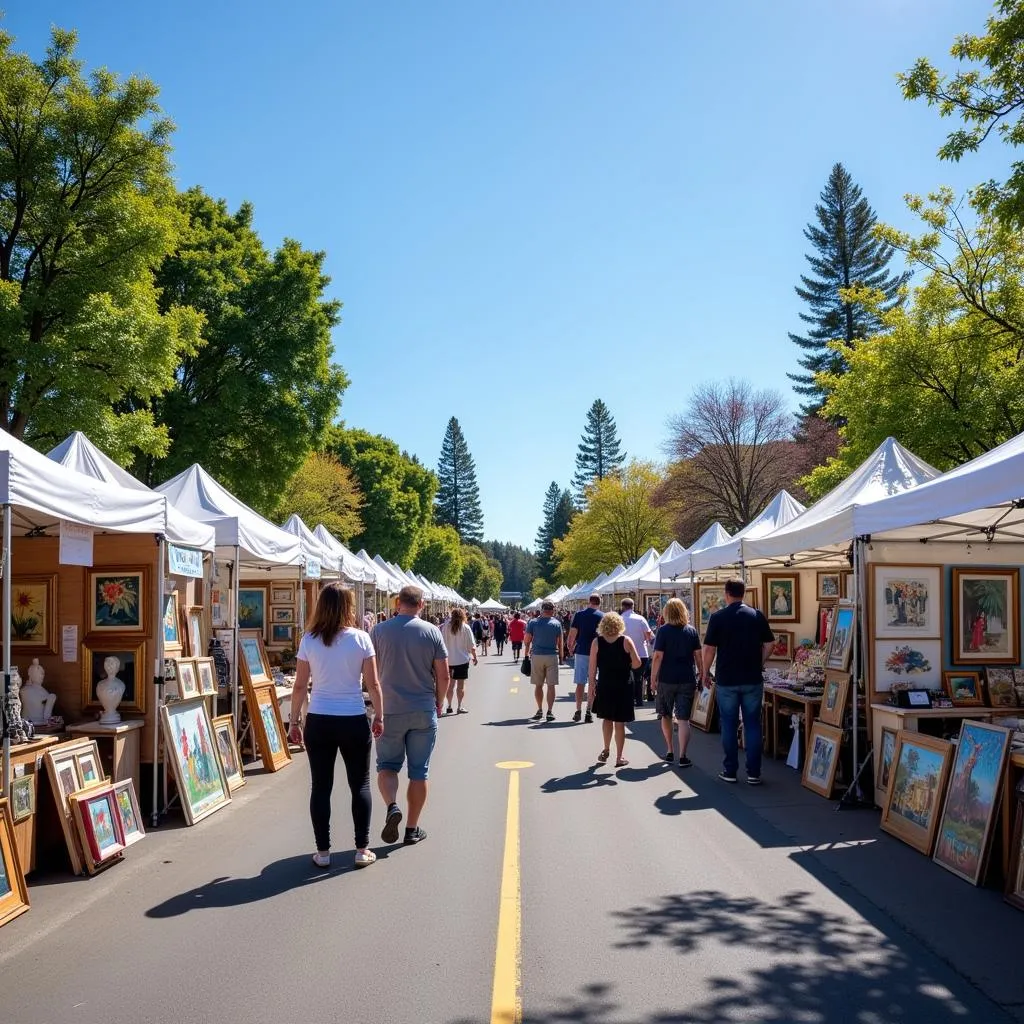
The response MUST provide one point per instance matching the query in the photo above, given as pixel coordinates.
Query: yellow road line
(506, 995)
(513, 689)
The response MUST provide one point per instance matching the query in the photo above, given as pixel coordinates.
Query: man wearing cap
(544, 640)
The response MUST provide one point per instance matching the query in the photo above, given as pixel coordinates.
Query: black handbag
(526, 666)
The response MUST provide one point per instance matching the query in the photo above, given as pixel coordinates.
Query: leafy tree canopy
(322, 490)
(439, 555)
(481, 576)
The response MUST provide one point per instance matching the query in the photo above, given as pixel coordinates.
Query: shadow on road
(587, 779)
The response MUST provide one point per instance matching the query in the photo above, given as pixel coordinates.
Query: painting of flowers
(116, 601)
(198, 773)
(33, 623)
(918, 663)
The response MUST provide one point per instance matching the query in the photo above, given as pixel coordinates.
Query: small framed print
(822, 758)
(89, 767)
(98, 822)
(282, 595)
(227, 747)
(703, 708)
(963, 687)
(206, 677)
(171, 624)
(281, 615)
(906, 601)
(196, 649)
(783, 649)
(128, 809)
(833, 699)
(829, 586)
(782, 596)
(281, 634)
(186, 677)
(840, 641)
(23, 797)
(883, 768)
(1002, 692)
(117, 601)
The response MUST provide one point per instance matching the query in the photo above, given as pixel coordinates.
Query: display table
(119, 745)
(26, 759)
(779, 700)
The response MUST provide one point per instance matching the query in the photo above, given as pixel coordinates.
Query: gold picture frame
(171, 625)
(708, 598)
(917, 789)
(268, 725)
(15, 902)
(781, 596)
(227, 750)
(253, 662)
(62, 767)
(133, 671)
(834, 697)
(821, 760)
(34, 613)
(186, 678)
(117, 600)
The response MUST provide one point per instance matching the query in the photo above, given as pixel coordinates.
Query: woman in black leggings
(338, 660)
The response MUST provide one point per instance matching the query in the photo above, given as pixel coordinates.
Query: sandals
(364, 858)
(621, 763)
(603, 756)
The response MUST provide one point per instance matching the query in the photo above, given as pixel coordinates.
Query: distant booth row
(896, 677)
(148, 642)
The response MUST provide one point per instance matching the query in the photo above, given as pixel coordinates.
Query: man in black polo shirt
(742, 640)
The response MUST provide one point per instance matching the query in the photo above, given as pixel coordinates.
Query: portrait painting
(822, 758)
(918, 784)
(188, 735)
(710, 599)
(971, 799)
(782, 596)
(907, 601)
(252, 608)
(33, 613)
(986, 616)
(117, 601)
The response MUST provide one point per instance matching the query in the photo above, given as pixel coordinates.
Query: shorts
(544, 669)
(412, 734)
(459, 671)
(675, 698)
(581, 669)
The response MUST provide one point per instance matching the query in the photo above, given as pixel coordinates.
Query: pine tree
(847, 254)
(458, 497)
(558, 512)
(599, 453)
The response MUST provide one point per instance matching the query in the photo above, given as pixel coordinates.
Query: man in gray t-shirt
(412, 663)
(544, 640)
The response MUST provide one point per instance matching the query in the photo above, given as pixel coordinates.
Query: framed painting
(917, 663)
(906, 601)
(783, 649)
(252, 608)
(194, 622)
(846, 584)
(710, 598)
(284, 614)
(191, 749)
(823, 630)
(128, 810)
(117, 601)
(782, 596)
(986, 616)
(124, 659)
(750, 597)
(34, 613)
(834, 697)
(1014, 891)
(840, 642)
(281, 634)
(963, 688)
(972, 799)
(13, 891)
(1002, 690)
(920, 767)
(98, 822)
(883, 765)
(829, 586)
(822, 758)
(23, 797)
(269, 726)
(89, 767)
(186, 678)
(703, 711)
(227, 747)
(253, 660)
(63, 765)
(171, 624)
(206, 677)
(282, 595)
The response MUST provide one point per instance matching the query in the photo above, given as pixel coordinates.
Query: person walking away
(485, 631)
(516, 632)
(741, 639)
(582, 633)
(339, 660)
(500, 635)
(458, 640)
(477, 627)
(544, 639)
(413, 665)
(675, 669)
(640, 633)
(613, 660)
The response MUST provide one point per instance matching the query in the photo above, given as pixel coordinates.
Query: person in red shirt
(516, 632)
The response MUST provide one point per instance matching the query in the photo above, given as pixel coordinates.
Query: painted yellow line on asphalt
(514, 689)
(515, 679)
(507, 993)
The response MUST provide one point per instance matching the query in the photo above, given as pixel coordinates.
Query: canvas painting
(13, 892)
(703, 708)
(710, 599)
(782, 597)
(101, 817)
(833, 698)
(822, 758)
(188, 735)
(99, 825)
(206, 676)
(280, 634)
(269, 726)
(840, 645)
(783, 649)
(916, 663)
(171, 627)
(828, 586)
(986, 616)
(964, 688)
(227, 747)
(920, 768)
(97, 666)
(254, 659)
(1002, 690)
(128, 810)
(252, 608)
(884, 770)
(907, 601)
(116, 602)
(33, 612)
(971, 800)
(23, 797)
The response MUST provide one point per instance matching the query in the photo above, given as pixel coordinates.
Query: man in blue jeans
(741, 639)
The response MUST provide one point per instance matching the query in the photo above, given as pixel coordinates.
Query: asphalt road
(649, 895)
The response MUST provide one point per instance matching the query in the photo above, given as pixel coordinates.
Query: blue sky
(530, 205)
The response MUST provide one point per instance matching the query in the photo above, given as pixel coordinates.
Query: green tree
(398, 492)
(558, 512)
(322, 490)
(599, 453)
(458, 496)
(847, 252)
(86, 210)
(439, 555)
(266, 365)
(987, 94)
(518, 564)
(481, 576)
(619, 524)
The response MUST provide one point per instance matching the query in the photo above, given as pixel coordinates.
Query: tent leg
(158, 682)
(234, 639)
(852, 797)
(5, 571)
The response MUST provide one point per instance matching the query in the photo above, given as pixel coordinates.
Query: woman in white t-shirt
(458, 638)
(338, 659)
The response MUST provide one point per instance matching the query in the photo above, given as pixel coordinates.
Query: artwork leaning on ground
(916, 788)
(188, 736)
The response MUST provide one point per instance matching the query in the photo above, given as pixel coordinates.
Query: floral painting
(116, 602)
(101, 818)
(986, 614)
(914, 663)
(32, 612)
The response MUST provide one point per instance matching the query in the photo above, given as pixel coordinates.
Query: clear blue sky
(530, 205)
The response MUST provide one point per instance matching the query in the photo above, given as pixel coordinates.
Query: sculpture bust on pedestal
(110, 690)
(36, 701)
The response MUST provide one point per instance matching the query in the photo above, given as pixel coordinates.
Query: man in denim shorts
(412, 663)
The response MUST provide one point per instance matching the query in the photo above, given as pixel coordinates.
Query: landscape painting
(920, 768)
(188, 734)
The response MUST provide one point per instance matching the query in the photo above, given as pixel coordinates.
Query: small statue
(17, 729)
(36, 701)
(110, 690)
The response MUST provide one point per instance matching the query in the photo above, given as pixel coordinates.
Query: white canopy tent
(351, 566)
(610, 579)
(491, 605)
(630, 578)
(313, 549)
(680, 564)
(582, 591)
(558, 595)
(385, 581)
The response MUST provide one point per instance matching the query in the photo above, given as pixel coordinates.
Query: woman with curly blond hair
(610, 693)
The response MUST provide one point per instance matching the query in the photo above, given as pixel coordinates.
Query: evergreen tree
(599, 453)
(558, 512)
(847, 254)
(518, 565)
(458, 497)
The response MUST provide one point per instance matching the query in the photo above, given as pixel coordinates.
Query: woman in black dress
(610, 695)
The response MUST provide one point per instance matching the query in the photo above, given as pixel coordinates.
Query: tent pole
(158, 680)
(234, 636)
(5, 570)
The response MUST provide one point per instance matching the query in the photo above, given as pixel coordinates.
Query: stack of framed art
(262, 704)
(192, 749)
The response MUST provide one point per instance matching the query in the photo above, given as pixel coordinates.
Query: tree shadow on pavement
(586, 779)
